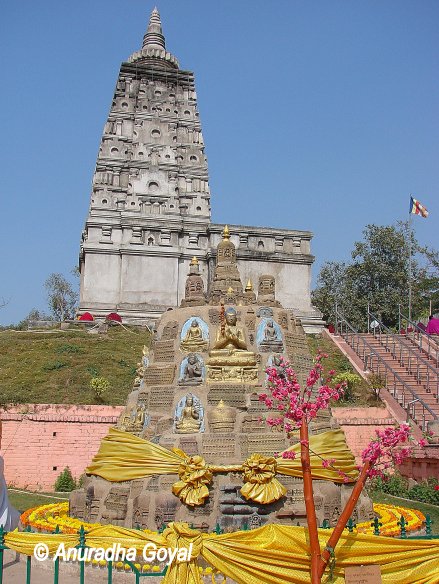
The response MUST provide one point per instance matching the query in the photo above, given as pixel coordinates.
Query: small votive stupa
(193, 443)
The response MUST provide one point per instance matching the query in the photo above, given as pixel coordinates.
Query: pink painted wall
(359, 425)
(38, 437)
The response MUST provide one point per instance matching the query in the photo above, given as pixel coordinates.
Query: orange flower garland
(48, 517)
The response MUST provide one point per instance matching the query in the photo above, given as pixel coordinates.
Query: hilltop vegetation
(57, 366)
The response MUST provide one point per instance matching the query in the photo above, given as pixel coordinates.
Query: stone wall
(40, 440)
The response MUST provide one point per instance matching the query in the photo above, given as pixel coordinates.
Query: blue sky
(320, 115)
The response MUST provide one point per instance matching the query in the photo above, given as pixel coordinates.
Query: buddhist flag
(417, 208)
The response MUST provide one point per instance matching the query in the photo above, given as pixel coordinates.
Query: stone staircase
(412, 366)
(411, 376)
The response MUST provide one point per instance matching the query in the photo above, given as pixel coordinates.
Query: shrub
(425, 491)
(54, 366)
(376, 382)
(100, 386)
(69, 349)
(65, 481)
(351, 380)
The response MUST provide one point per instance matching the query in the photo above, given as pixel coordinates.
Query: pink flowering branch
(295, 408)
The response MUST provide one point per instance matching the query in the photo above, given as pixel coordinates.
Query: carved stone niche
(77, 504)
(141, 511)
(236, 511)
(170, 331)
(267, 290)
(165, 510)
(283, 319)
(250, 319)
(116, 504)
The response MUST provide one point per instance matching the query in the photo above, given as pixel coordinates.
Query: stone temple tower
(150, 204)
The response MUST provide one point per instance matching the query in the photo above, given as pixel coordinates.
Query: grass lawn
(57, 366)
(23, 500)
(426, 508)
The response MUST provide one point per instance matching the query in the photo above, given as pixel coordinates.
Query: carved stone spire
(249, 294)
(154, 35)
(194, 290)
(154, 46)
(226, 282)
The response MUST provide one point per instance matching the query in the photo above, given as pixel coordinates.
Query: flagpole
(410, 263)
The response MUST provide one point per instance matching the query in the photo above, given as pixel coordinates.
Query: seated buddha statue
(230, 347)
(193, 340)
(190, 420)
(271, 340)
(192, 371)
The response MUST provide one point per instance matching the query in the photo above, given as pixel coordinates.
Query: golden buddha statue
(190, 420)
(230, 347)
(193, 340)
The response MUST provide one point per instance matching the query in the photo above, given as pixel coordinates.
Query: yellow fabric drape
(269, 555)
(123, 457)
(328, 445)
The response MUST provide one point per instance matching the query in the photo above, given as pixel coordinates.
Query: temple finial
(154, 37)
(194, 261)
(226, 233)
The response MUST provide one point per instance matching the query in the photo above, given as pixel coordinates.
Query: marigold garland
(48, 517)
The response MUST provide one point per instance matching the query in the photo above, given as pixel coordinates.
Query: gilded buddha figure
(194, 340)
(230, 347)
(190, 420)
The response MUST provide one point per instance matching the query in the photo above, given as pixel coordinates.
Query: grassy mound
(57, 366)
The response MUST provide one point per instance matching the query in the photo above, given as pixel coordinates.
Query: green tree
(329, 289)
(378, 275)
(65, 481)
(61, 297)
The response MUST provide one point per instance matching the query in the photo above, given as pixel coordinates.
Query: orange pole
(343, 519)
(309, 504)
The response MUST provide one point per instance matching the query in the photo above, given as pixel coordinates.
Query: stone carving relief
(194, 335)
(189, 415)
(170, 331)
(265, 312)
(141, 505)
(269, 336)
(164, 351)
(192, 370)
(159, 375)
(222, 418)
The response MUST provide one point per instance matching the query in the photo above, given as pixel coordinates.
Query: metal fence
(82, 545)
(138, 574)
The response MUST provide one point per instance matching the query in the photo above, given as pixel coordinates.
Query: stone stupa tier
(150, 204)
(197, 390)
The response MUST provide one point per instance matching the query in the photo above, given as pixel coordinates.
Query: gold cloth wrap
(260, 484)
(268, 555)
(123, 457)
(194, 476)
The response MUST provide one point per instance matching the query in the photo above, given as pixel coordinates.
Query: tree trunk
(343, 519)
(309, 505)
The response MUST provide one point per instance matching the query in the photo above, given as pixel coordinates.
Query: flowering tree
(295, 407)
